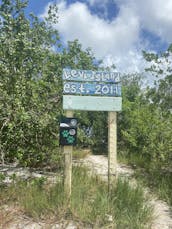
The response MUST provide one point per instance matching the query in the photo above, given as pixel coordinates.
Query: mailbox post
(68, 135)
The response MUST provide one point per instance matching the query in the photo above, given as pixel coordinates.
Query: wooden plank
(68, 165)
(112, 149)
(92, 89)
(92, 103)
(88, 75)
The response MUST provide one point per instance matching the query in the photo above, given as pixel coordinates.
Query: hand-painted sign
(91, 103)
(92, 89)
(104, 88)
(93, 76)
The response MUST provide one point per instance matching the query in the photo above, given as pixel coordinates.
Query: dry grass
(90, 203)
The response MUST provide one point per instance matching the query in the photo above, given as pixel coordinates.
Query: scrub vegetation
(32, 57)
(90, 203)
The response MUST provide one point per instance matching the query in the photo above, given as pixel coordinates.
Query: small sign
(92, 89)
(68, 131)
(92, 103)
(68, 136)
(93, 76)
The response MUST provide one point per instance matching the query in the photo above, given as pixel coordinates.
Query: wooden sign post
(112, 149)
(68, 164)
(93, 91)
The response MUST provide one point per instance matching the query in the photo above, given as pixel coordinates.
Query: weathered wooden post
(68, 164)
(112, 149)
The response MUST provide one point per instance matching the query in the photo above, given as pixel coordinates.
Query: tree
(145, 121)
(161, 68)
(31, 83)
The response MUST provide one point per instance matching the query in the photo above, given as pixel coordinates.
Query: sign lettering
(92, 89)
(93, 76)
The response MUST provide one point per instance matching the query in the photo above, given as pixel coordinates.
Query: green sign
(92, 103)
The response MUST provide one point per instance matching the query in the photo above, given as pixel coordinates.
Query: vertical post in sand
(112, 149)
(68, 164)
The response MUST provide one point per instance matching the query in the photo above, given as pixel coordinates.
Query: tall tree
(31, 66)
(161, 68)
(146, 119)
(29, 83)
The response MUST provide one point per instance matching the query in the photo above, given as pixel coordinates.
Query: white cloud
(154, 15)
(158, 18)
(117, 42)
(131, 62)
(117, 36)
(115, 39)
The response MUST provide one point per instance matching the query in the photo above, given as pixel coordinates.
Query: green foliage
(161, 94)
(149, 134)
(93, 130)
(75, 58)
(2, 177)
(30, 83)
(29, 86)
(144, 128)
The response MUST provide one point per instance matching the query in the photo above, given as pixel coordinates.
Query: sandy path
(99, 165)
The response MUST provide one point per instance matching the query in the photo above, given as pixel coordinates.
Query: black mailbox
(68, 131)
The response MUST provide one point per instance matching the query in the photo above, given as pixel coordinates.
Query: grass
(159, 182)
(90, 203)
(80, 153)
(157, 179)
(126, 208)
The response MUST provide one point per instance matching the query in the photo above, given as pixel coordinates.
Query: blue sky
(116, 30)
(108, 12)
